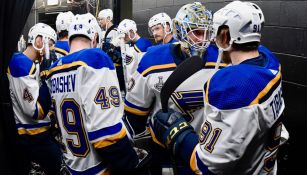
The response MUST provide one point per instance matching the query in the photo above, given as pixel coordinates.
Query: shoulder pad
(156, 58)
(240, 86)
(20, 65)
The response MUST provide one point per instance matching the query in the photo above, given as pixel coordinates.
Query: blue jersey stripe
(135, 107)
(32, 126)
(105, 131)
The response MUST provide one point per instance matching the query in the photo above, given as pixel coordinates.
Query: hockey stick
(186, 69)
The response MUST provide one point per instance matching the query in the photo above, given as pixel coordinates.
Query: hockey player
(132, 47)
(88, 105)
(160, 27)
(129, 29)
(193, 27)
(94, 24)
(242, 124)
(31, 102)
(62, 23)
(111, 38)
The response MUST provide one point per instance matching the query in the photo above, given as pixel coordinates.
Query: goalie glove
(170, 129)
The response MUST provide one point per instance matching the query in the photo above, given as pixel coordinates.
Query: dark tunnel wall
(285, 33)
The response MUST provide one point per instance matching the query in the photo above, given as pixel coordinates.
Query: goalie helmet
(81, 26)
(160, 18)
(243, 19)
(105, 14)
(63, 21)
(190, 18)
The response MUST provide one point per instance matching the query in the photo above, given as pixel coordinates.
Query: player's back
(243, 104)
(83, 86)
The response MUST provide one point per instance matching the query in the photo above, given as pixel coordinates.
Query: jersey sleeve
(139, 96)
(33, 99)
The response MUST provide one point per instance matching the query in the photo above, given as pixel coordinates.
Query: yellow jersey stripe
(41, 113)
(193, 162)
(111, 140)
(32, 69)
(266, 89)
(35, 131)
(66, 66)
(64, 52)
(135, 111)
(153, 136)
(214, 63)
(207, 90)
(8, 70)
(172, 65)
(136, 48)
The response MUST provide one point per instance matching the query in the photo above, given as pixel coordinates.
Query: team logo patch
(160, 83)
(131, 84)
(27, 96)
(128, 60)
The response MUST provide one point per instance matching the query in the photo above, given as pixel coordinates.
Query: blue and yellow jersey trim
(107, 136)
(159, 68)
(61, 51)
(100, 169)
(142, 44)
(32, 129)
(196, 164)
(134, 109)
(93, 58)
(39, 112)
(20, 65)
(246, 84)
(157, 59)
(136, 48)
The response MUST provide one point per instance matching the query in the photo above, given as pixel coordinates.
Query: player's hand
(170, 129)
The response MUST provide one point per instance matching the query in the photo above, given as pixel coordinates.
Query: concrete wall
(285, 33)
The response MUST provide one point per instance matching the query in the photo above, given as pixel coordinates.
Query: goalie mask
(47, 33)
(193, 27)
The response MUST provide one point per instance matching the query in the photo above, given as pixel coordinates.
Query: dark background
(285, 34)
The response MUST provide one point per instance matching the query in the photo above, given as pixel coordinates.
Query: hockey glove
(170, 129)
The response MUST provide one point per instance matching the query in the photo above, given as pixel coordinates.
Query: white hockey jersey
(242, 129)
(88, 105)
(143, 96)
(24, 80)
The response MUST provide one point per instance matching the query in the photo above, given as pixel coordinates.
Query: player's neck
(137, 37)
(31, 53)
(77, 45)
(64, 38)
(238, 57)
(167, 38)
